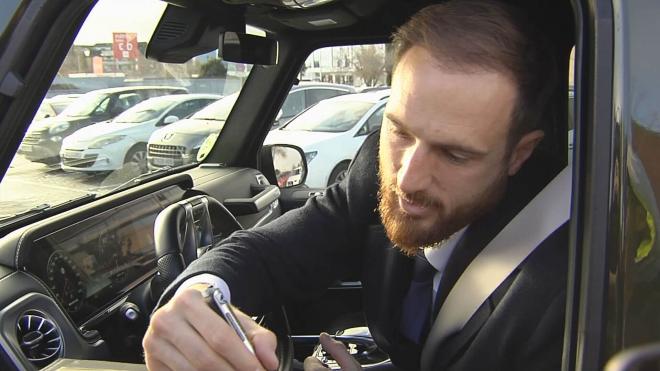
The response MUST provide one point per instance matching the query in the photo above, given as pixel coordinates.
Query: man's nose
(415, 171)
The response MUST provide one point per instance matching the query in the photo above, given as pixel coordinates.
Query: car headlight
(105, 141)
(59, 128)
(309, 156)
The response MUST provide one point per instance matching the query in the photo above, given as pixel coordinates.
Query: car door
(619, 279)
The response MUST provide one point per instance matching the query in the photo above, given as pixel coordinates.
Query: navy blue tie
(417, 302)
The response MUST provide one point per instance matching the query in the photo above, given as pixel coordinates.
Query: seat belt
(547, 211)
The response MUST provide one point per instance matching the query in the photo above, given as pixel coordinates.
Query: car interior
(79, 280)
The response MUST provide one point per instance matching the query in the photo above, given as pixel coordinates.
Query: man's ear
(523, 149)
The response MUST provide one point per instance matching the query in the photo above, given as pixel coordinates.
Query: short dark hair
(472, 35)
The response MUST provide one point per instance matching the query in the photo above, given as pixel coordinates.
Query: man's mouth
(412, 208)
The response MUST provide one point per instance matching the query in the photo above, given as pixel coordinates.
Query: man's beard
(406, 231)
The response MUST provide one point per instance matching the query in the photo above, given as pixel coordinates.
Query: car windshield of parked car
(329, 116)
(81, 154)
(144, 111)
(84, 105)
(218, 111)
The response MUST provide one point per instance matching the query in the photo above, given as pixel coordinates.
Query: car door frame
(593, 211)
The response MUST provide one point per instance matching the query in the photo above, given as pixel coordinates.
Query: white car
(109, 145)
(331, 132)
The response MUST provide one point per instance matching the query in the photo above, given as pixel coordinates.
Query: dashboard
(87, 273)
(95, 261)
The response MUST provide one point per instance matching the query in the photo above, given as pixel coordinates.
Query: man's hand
(338, 351)
(186, 334)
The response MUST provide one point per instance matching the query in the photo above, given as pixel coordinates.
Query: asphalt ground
(30, 184)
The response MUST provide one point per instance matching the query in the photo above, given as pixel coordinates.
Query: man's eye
(456, 158)
(398, 132)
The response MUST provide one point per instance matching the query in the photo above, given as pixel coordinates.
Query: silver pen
(225, 310)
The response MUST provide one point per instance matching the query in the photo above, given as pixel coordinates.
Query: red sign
(124, 45)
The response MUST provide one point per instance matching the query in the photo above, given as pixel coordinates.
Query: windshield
(85, 105)
(144, 111)
(60, 161)
(218, 111)
(329, 116)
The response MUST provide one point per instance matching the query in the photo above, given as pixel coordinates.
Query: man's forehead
(432, 101)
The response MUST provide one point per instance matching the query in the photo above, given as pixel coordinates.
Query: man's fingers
(195, 349)
(159, 353)
(313, 364)
(155, 365)
(217, 333)
(338, 351)
(263, 340)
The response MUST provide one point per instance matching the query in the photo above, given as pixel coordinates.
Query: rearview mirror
(284, 165)
(248, 49)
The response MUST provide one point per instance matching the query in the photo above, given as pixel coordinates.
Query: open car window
(75, 150)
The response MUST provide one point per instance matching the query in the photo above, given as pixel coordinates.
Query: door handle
(254, 204)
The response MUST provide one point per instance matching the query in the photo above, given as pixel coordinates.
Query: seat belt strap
(548, 211)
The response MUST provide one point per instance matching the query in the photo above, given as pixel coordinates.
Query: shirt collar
(439, 254)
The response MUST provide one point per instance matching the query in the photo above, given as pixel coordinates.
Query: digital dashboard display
(91, 263)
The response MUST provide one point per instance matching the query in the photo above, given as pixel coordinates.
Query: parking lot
(29, 184)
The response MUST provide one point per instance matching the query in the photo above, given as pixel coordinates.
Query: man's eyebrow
(452, 147)
(394, 120)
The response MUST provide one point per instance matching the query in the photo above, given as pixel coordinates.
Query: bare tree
(369, 64)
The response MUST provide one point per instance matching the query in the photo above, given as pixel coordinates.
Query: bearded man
(455, 162)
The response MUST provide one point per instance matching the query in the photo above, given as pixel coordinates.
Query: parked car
(123, 140)
(43, 141)
(51, 107)
(331, 132)
(306, 94)
(178, 144)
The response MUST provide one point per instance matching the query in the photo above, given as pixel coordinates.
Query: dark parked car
(79, 270)
(43, 141)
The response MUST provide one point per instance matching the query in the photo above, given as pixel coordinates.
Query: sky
(138, 16)
(108, 16)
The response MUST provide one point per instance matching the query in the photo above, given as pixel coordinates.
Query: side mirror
(170, 119)
(249, 49)
(283, 164)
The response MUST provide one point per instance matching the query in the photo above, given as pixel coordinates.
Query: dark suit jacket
(339, 235)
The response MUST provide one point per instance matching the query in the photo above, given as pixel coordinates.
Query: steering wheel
(184, 231)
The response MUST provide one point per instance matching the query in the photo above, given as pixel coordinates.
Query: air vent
(39, 337)
(171, 30)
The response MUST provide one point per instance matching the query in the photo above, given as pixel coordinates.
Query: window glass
(126, 101)
(634, 290)
(106, 76)
(7, 11)
(102, 107)
(144, 111)
(373, 123)
(331, 132)
(294, 103)
(313, 96)
(184, 109)
(87, 104)
(327, 116)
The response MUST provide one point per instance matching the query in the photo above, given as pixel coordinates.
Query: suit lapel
(435, 351)
(387, 277)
